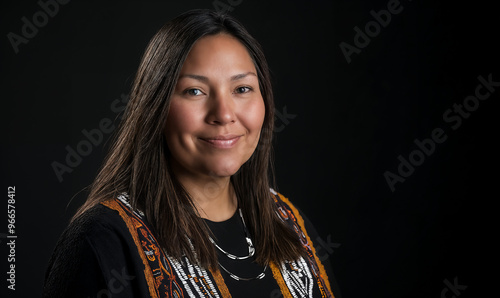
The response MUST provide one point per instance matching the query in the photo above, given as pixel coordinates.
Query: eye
(243, 89)
(193, 92)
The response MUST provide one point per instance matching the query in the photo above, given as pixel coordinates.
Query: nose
(221, 109)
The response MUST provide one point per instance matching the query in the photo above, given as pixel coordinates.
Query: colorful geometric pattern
(169, 277)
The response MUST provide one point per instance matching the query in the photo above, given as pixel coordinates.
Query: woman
(182, 206)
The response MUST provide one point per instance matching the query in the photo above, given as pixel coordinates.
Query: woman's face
(217, 110)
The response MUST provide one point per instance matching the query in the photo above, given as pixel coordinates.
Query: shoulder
(86, 232)
(107, 223)
(99, 229)
(92, 227)
(92, 251)
(96, 220)
(307, 234)
(297, 220)
(286, 209)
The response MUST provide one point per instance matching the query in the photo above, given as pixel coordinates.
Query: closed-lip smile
(222, 141)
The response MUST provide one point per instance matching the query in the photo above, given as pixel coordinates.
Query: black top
(96, 256)
(93, 258)
(230, 236)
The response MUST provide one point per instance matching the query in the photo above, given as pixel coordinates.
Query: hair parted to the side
(138, 160)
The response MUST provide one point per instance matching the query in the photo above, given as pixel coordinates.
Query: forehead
(221, 52)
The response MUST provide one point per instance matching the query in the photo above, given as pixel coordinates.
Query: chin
(224, 168)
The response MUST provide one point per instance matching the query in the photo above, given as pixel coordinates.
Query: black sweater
(96, 256)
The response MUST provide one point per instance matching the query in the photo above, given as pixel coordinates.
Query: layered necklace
(251, 252)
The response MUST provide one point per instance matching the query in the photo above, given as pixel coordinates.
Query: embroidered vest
(169, 277)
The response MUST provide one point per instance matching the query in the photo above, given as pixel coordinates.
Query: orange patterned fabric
(219, 280)
(115, 205)
(279, 279)
(166, 277)
(169, 277)
(292, 215)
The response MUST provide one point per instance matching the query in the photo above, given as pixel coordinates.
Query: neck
(213, 197)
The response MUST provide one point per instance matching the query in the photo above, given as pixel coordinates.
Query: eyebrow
(205, 79)
(242, 75)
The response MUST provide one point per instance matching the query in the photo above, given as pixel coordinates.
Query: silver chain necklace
(251, 249)
(251, 252)
(260, 276)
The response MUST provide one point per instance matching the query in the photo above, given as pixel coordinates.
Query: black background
(352, 121)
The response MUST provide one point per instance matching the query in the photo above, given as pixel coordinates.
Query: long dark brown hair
(138, 160)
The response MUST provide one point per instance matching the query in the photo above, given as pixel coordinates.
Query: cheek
(253, 118)
(181, 121)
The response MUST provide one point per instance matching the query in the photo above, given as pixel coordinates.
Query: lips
(222, 141)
